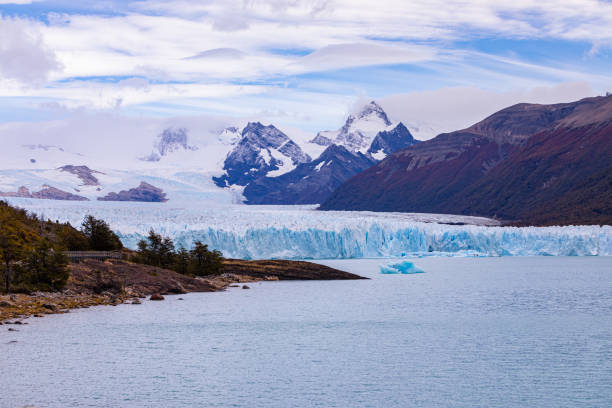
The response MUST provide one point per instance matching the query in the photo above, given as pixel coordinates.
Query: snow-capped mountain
(171, 140)
(190, 160)
(390, 141)
(359, 130)
(262, 150)
(309, 183)
(366, 138)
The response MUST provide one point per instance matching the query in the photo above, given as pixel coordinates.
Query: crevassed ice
(300, 232)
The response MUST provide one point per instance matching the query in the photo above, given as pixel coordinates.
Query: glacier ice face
(301, 232)
(402, 267)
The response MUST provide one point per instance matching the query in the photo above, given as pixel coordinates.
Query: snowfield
(301, 232)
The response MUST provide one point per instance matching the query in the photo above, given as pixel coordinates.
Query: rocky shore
(114, 282)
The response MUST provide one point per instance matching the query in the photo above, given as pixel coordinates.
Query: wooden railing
(76, 256)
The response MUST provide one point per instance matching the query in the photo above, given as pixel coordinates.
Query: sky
(435, 64)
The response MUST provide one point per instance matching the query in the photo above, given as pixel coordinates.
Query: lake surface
(470, 332)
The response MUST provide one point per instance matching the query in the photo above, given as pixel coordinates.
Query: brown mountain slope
(539, 164)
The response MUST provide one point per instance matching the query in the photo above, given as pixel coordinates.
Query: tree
(160, 251)
(204, 262)
(72, 239)
(181, 261)
(45, 268)
(15, 240)
(99, 235)
(157, 250)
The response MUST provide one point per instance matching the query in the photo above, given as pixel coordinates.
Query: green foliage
(44, 268)
(160, 251)
(156, 250)
(181, 261)
(30, 251)
(204, 262)
(72, 239)
(99, 235)
(17, 236)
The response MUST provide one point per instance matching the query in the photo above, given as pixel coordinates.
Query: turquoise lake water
(469, 332)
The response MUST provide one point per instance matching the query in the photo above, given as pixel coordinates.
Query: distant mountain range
(526, 164)
(252, 163)
(366, 137)
(530, 164)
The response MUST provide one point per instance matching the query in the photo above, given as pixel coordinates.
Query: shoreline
(111, 283)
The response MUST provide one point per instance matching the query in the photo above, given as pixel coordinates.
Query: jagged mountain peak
(372, 110)
(264, 136)
(359, 130)
(390, 141)
(262, 150)
(169, 141)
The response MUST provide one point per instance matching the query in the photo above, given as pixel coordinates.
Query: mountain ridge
(472, 171)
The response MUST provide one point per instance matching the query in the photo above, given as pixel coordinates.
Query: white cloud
(23, 55)
(339, 56)
(449, 109)
(219, 53)
(197, 54)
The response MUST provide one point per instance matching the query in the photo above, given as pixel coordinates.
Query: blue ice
(403, 267)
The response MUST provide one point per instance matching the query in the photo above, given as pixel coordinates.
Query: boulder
(245, 287)
(5, 303)
(50, 306)
(156, 296)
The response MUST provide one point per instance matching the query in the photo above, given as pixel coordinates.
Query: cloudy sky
(298, 63)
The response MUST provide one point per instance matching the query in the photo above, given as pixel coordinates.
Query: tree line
(32, 250)
(160, 251)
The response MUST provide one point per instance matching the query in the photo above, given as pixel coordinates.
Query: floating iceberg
(403, 267)
(301, 232)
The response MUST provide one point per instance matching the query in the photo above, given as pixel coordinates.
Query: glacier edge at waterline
(301, 232)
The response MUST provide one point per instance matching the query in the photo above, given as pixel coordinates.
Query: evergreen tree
(45, 268)
(204, 262)
(72, 239)
(156, 250)
(99, 235)
(181, 261)
(15, 241)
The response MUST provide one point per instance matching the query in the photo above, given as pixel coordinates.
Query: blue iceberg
(403, 267)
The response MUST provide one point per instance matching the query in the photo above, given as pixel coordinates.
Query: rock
(271, 278)
(261, 149)
(11, 329)
(180, 299)
(37, 315)
(17, 322)
(5, 303)
(234, 286)
(156, 296)
(245, 287)
(136, 302)
(47, 192)
(145, 192)
(84, 173)
(50, 306)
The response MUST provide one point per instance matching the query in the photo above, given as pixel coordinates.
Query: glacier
(301, 232)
